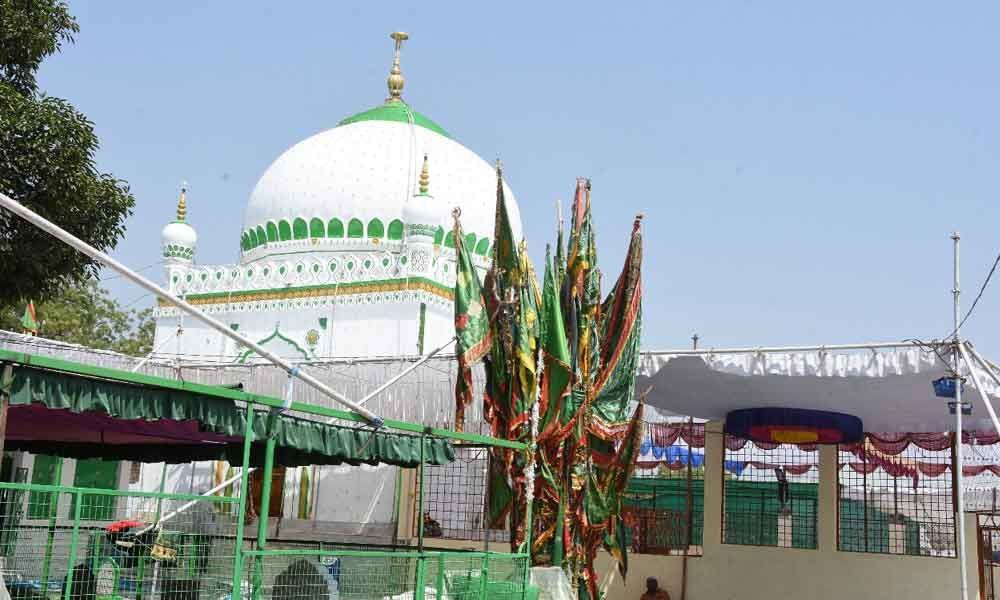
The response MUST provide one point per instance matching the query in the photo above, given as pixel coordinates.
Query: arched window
(249, 240)
(439, 236)
(449, 240)
(483, 247)
(335, 228)
(395, 230)
(316, 228)
(355, 229)
(470, 241)
(376, 229)
(261, 236)
(272, 231)
(300, 230)
(284, 230)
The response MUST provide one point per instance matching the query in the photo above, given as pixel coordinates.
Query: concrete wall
(727, 571)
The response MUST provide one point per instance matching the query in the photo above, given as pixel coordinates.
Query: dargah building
(346, 249)
(824, 472)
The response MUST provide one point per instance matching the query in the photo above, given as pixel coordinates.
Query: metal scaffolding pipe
(979, 386)
(777, 349)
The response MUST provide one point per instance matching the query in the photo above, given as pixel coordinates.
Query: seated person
(653, 591)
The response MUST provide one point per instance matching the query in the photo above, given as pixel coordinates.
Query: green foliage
(84, 313)
(47, 162)
(31, 30)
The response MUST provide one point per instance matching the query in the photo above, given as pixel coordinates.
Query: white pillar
(827, 509)
(714, 456)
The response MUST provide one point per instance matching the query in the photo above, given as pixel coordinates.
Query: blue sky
(800, 167)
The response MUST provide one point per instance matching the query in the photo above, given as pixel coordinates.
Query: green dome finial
(425, 178)
(182, 203)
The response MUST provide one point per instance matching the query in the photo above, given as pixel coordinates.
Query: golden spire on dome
(182, 203)
(425, 177)
(396, 81)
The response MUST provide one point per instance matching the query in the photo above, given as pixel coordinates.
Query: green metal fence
(403, 575)
(98, 544)
(92, 543)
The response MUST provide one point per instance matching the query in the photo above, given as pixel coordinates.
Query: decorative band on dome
(335, 229)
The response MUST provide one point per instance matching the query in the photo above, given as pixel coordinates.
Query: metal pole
(210, 492)
(420, 499)
(406, 371)
(159, 510)
(73, 545)
(241, 517)
(769, 349)
(53, 515)
(689, 513)
(78, 244)
(397, 505)
(960, 508)
(864, 490)
(155, 350)
(265, 503)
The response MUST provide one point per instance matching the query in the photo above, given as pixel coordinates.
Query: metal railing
(89, 543)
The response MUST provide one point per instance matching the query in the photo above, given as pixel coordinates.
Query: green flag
(472, 325)
(29, 322)
(555, 353)
(504, 245)
(619, 332)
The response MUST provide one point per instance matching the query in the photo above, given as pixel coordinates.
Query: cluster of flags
(560, 365)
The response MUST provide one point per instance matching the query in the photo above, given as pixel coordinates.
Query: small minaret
(423, 217)
(396, 80)
(179, 239)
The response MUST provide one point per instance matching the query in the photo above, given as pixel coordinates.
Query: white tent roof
(888, 386)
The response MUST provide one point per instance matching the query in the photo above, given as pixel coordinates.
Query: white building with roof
(346, 249)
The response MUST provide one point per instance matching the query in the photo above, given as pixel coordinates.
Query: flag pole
(959, 483)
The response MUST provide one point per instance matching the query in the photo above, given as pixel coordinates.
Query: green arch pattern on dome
(300, 229)
(335, 228)
(284, 231)
(316, 228)
(397, 112)
(395, 230)
(355, 228)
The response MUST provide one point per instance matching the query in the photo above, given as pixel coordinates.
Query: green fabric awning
(76, 416)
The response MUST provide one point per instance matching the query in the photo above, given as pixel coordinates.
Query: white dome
(179, 240)
(367, 168)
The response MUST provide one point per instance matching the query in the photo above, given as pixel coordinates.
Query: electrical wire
(139, 270)
(982, 289)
